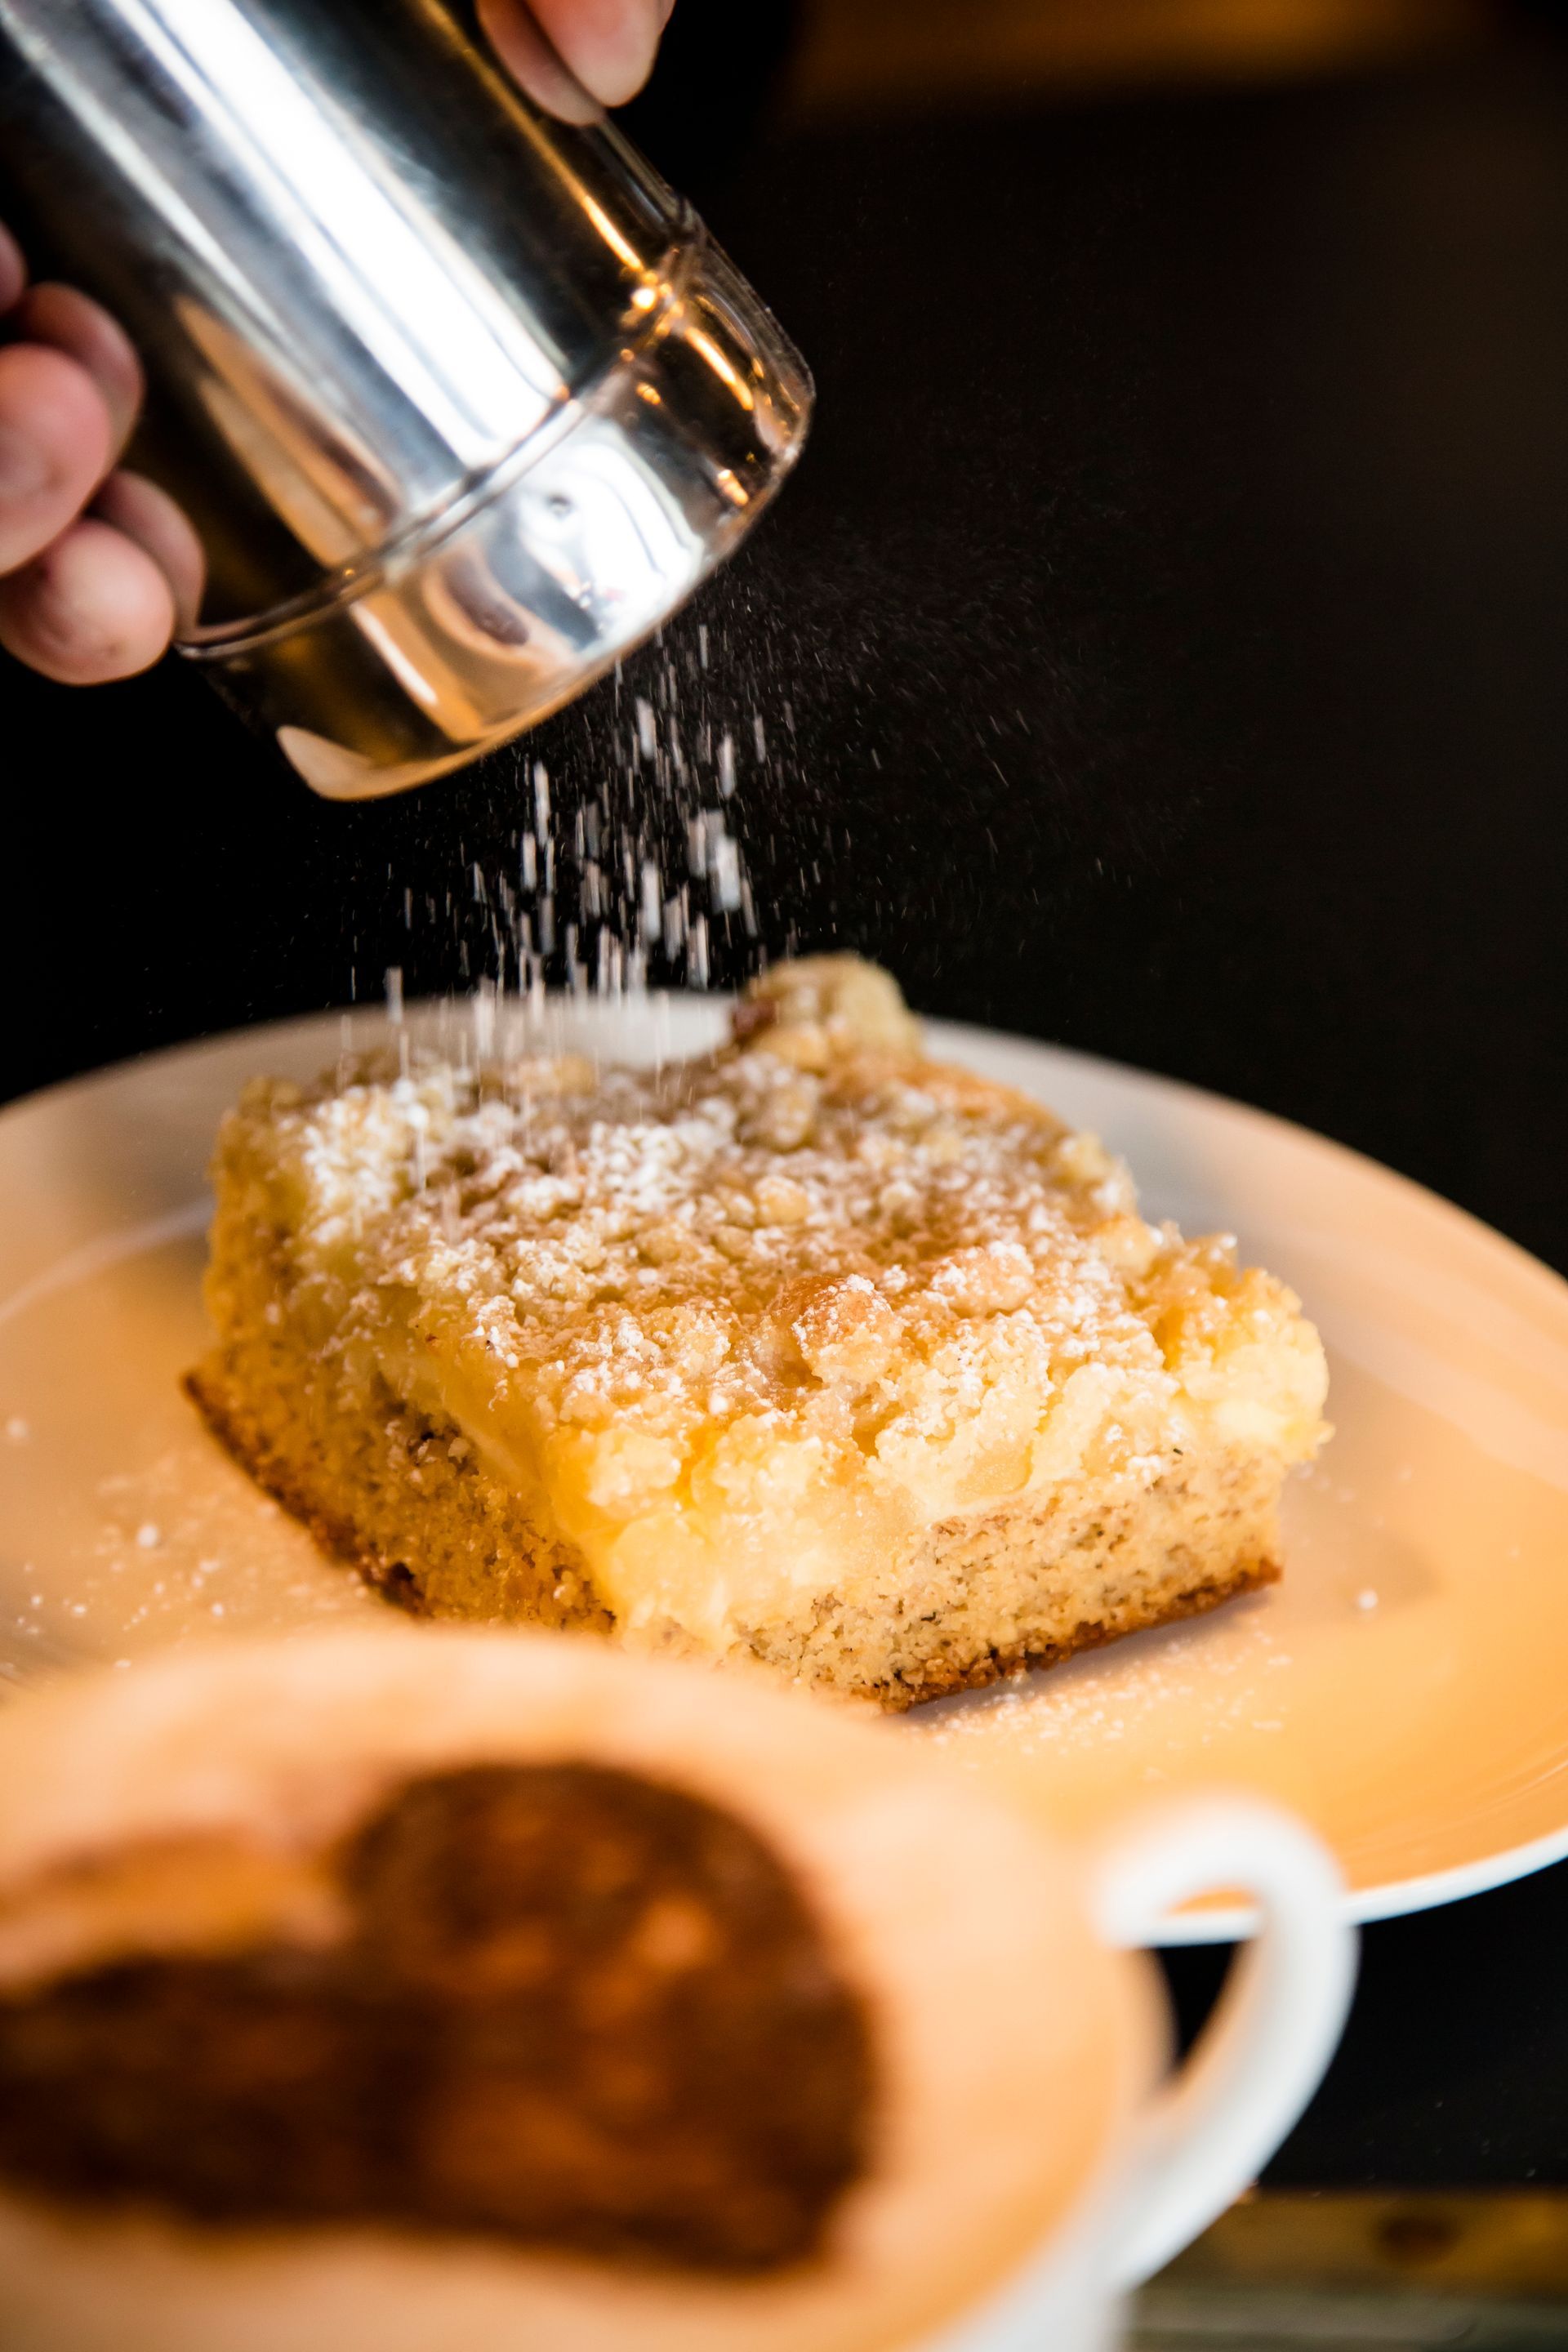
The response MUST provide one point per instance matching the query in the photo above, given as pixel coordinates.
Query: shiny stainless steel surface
(462, 400)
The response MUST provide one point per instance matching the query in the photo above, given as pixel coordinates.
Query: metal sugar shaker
(462, 400)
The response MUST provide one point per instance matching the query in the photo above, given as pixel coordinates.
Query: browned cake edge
(1024, 1657)
(240, 1430)
(241, 1437)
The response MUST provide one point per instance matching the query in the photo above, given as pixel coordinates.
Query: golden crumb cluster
(757, 1345)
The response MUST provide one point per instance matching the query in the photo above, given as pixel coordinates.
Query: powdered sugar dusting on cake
(814, 1225)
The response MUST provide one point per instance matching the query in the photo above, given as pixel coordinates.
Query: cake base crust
(531, 1578)
(236, 1432)
(1025, 1658)
(1031, 1581)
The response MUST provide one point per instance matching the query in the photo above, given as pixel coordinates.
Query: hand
(97, 566)
(95, 563)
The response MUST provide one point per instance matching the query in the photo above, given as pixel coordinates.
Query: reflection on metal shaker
(461, 399)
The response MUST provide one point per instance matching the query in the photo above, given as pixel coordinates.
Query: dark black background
(1172, 605)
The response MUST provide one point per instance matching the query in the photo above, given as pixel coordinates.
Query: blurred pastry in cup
(387, 1987)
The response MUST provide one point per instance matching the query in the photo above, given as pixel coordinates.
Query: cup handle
(1207, 2131)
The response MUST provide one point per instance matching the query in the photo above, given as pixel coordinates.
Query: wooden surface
(864, 55)
(1349, 2272)
(1513, 2242)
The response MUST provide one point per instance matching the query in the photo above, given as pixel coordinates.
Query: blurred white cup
(1201, 2134)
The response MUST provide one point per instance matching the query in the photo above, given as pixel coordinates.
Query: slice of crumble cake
(811, 1352)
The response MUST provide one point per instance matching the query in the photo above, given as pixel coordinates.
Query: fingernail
(625, 59)
(23, 470)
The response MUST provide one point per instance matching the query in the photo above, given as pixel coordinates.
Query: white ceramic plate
(1403, 1687)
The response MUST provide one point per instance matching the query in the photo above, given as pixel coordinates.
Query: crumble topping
(875, 1245)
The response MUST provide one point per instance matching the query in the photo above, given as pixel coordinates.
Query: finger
(56, 442)
(534, 64)
(90, 608)
(141, 512)
(13, 268)
(67, 322)
(608, 44)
